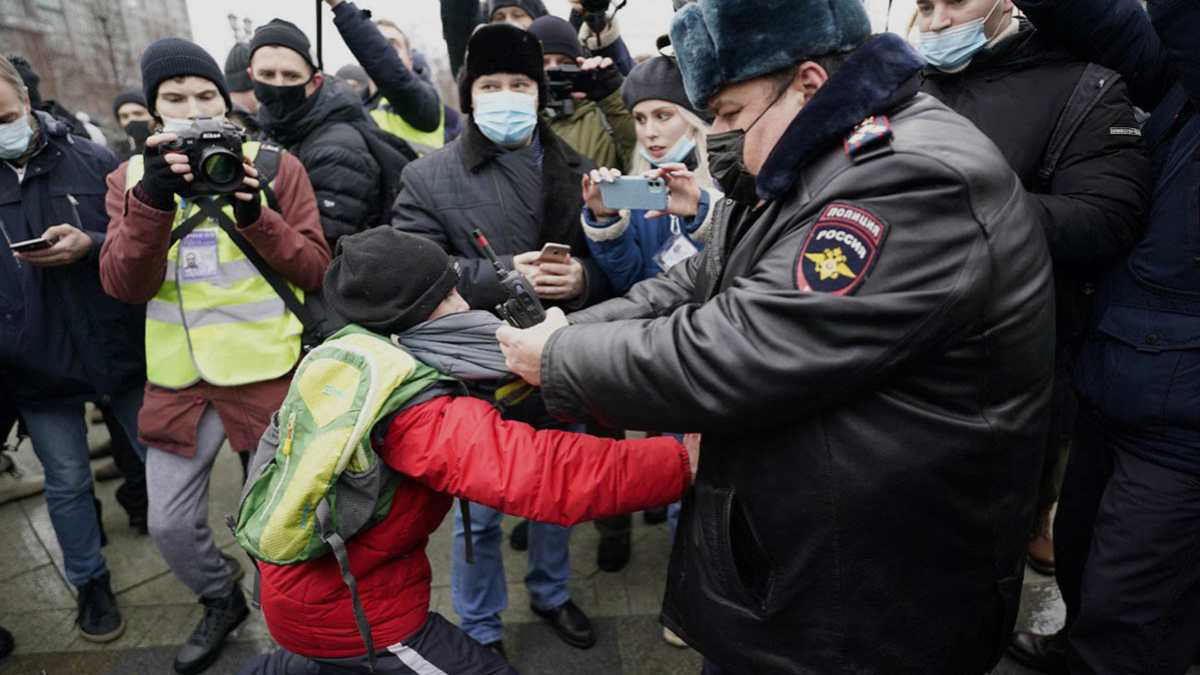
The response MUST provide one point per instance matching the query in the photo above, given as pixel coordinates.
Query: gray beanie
(656, 79)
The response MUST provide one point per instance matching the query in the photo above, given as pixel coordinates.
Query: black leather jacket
(869, 459)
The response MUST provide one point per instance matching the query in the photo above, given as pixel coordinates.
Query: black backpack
(392, 154)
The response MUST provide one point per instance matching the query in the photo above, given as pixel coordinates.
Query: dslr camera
(214, 151)
(561, 83)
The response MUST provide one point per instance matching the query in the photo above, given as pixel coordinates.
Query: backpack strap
(335, 542)
(267, 162)
(185, 228)
(1093, 84)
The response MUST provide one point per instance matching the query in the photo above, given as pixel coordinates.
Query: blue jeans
(479, 592)
(59, 435)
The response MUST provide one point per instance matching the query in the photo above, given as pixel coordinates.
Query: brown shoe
(1041, 547)
(1045, 653)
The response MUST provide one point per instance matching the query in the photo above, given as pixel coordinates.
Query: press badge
(677, 249)
(197, 256)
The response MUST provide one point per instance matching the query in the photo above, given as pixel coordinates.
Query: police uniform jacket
(868, 355)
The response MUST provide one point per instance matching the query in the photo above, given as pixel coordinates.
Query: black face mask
(280, 101)
(138, 131)
(727, 165)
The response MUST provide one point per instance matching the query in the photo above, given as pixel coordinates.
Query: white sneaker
(15, 484)
(672, 639)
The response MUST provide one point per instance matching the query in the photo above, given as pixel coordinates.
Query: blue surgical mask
(678, 152)
(506, 117)
(14, 138)
(952, 48)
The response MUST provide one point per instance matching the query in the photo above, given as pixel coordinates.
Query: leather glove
(605, 82)
(159, 182)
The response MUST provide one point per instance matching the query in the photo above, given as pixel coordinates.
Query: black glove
(247, 213)
(159, 182)
(605, 81)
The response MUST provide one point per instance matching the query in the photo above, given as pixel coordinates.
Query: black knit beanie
(658, 78)
(557, 37)
(175, 57)
(28, 75)
(236, 66)
(501, 48)
(388, 281)
(280, 33)
(353, 71)
(534, 8)
(128, 97)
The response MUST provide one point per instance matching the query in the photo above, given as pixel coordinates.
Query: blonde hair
(639, 164)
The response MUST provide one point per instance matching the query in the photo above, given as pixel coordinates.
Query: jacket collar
(880, 75)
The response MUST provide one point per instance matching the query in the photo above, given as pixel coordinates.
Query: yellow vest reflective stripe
(423, 142)
(227, 328)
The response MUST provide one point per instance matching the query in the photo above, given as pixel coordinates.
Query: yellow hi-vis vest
(228, 328)
(423, 142)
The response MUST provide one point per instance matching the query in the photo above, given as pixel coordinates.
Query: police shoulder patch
(840, 250)
(869, 135)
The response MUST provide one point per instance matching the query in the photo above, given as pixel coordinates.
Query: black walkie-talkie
(522, 309)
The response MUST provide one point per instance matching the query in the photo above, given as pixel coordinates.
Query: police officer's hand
(166, 174)
(247, 207)
(559, 281)
(591, 191)
(523, 348)
(607, 80)
(73, 244)
(683, 189)
(526, 264)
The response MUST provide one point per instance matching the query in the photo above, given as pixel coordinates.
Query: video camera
(595, 14)
(214, 151)
(561, 83)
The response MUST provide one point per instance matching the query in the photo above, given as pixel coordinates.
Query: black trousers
(1127, 547)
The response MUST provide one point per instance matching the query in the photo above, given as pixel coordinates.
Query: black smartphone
(29, 245)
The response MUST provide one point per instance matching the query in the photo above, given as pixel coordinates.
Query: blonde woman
(632, 246)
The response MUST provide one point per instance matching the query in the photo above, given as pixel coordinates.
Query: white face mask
(175, 125)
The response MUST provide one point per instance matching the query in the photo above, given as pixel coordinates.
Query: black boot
(221, 615)
(520, 536)
(99, 620)
(613, 553)
(571, 624)
(1046, 653)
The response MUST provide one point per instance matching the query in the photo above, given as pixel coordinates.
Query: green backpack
(315, 480)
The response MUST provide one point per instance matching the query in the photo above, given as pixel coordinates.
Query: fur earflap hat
(501, 48)
(723, 42)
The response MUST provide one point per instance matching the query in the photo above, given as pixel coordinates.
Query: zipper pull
(291, 432)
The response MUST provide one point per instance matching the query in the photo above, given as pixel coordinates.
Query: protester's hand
(559, 281)
(166, 175)
(248, 207)
(591, 190)
(691, 443)
(73, 244)
(608, 79)
(523, 348)
(526, 264)
(683, 188)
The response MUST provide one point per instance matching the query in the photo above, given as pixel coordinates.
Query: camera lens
(220, 168)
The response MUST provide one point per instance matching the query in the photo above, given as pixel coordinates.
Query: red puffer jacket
(459, 448)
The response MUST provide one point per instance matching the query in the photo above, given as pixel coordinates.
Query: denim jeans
(479, 592)
(59, 435)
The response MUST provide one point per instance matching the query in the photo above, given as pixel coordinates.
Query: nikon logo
(210, 134)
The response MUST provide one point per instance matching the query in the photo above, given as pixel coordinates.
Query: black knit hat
(176, 57)
(280, 33)
(353, 71)
(128, 97)
(557, 37)
(501, 48)
(659, 79)
(236, 66)
(388, 281)
(534, 8)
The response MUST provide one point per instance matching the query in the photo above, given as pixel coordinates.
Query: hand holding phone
(634, 192)
(29, 245)
(554, 253)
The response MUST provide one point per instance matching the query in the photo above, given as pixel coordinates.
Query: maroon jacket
(133, 264)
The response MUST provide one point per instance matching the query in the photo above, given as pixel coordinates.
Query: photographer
(62, 340)
(220, 341)
(523, 185)
(584, 106)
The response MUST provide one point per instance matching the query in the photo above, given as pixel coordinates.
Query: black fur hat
(501, 48)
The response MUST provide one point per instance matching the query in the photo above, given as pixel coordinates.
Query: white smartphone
(554, 253)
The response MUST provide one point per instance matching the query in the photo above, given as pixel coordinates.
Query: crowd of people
(891, 323)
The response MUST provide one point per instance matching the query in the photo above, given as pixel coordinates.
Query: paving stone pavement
(37, 604)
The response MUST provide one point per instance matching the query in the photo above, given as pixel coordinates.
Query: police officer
(221, 342)
(865, 345)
